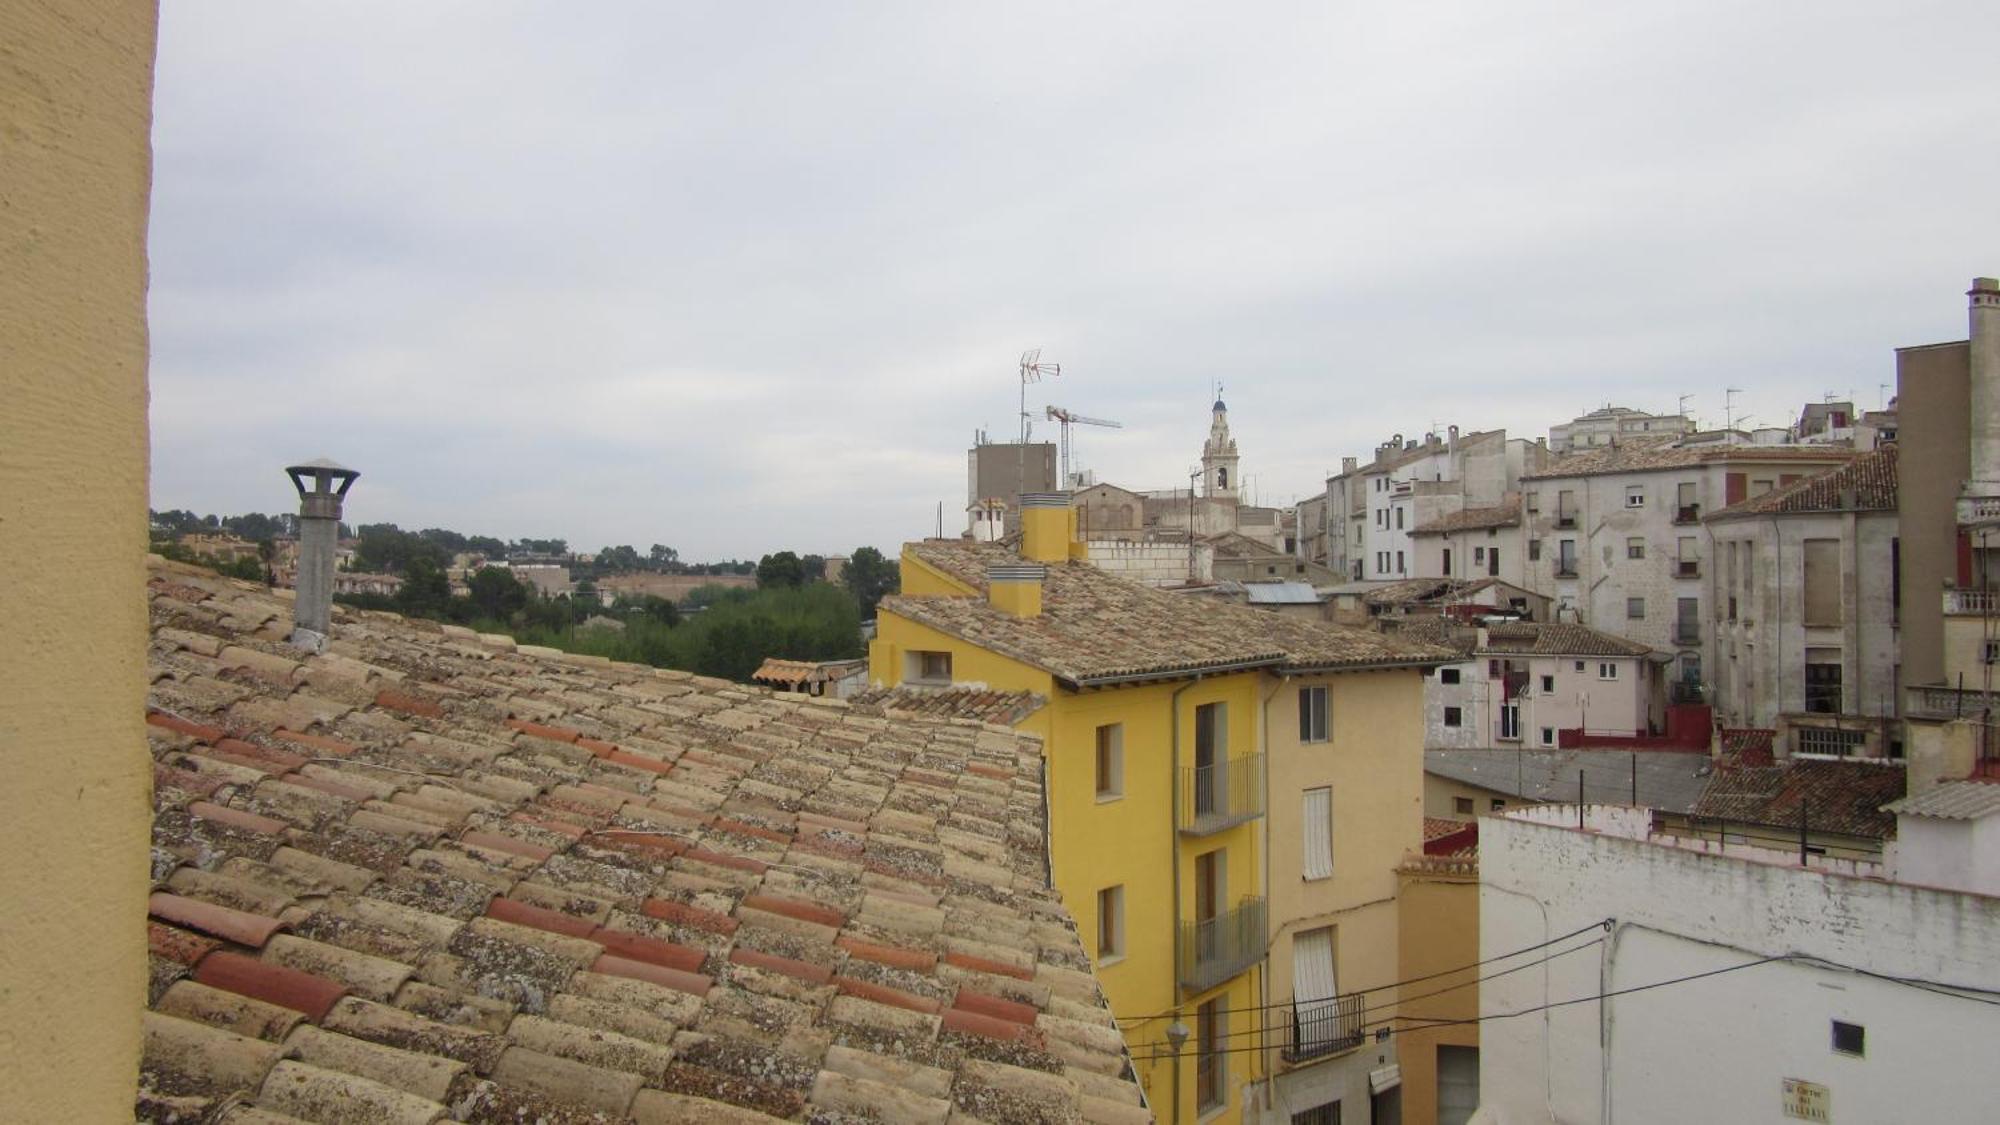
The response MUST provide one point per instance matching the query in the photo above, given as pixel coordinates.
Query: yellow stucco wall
(1373, 762)
(1130, 841)
(1438, 903)
(75, 173)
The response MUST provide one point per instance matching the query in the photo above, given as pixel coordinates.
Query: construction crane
(1058, 414)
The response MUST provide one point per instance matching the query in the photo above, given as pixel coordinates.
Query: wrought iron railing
(1214, 949)
(1687, 633)
(1222, 795)
(1687, 513)
(1687, 568)
(1316, 1028)
(1565, 520)
(1566, 569)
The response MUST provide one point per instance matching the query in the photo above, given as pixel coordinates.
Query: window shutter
(1318, 859)
(1312, 966)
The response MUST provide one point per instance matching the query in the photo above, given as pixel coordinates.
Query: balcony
(1938, 701)
(1221, 796)
(1687, 633)
(1215, 949)
(1565, 520)
(1686, 691)
(1314, 1029)
(1687, 568)
(1566, 568)
(1687, 513)
(1977, 602)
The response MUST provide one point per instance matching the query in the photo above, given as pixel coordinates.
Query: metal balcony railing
(1687, 633)
(1687, 513)
(1566, 569)
(1317, 1028)
(1222, 795)
(1682, 691)
(1687, 568)
(1565, 520)
(1215, 949)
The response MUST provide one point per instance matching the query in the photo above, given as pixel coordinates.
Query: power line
(1384, 1029)
(1603, 925)
(1366, 1009)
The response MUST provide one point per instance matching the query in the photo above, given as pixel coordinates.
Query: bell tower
(1218, 456)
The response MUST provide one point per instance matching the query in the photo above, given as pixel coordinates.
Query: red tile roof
(1865, 484)
(447, 876)
(1837, 796)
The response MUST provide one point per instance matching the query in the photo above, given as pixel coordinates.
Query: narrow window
(1534, 550)
(1479, 554)
(1823, 681)
(1548, 736)
(1822, 582)
(1635, 547)
(1210, 1064)
(1318, 833)
(1110, 923)
(1312, 713)
(1548, 685)
(1110, 761)
(1607, 670)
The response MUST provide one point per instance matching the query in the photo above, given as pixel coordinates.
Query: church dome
(1221, 408)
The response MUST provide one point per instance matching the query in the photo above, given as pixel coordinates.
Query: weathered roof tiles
(435, 876)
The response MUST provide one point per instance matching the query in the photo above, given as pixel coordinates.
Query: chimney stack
(1016, 589)
(1048, 527)
(1984, 313)
(322, 485)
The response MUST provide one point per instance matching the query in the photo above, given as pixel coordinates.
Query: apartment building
(1614, 533)
(1222, 782)
(1610, 425)
(1473, 543)
(1372, 509)
(1526, 683)
(1802, 598)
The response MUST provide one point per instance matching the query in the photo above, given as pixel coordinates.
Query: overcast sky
(738, 278)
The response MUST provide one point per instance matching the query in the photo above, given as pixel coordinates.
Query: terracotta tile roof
(1557, 639)
(1506, 514)
(1843, 796)
(1865, 484)
(1096, 626)
(1001, 708)
(1409, 590)
(1646, 455)
(433, 874)
(1749, 746)
(1437, 827)
(1951, 800)
(777, 670)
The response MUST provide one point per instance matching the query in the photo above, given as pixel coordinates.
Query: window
(1399, 519)
(1607, 670)
(1496, 804)
(1534, 550)
(1565, 558)
(1110, 761)
(1989, 652)
(1822, 582)
(1850, 1038)
(1565, 508)
(1317, 862)
(1454, 716)
(1110, 924)
(1211, 751)
(1448, 675)
(1462, 806)
(1548, 736)
(1635, 608)
(1635, 495)
(1548, 685)
(1687, 621)
(1534, 501)
(1447, 562)
(1328, 1114)
(1316, 1023)
(1493, 562)
(1210, 1064)
(1635, 547)
(927, 667)
(1312, 714)
(1578, 667)
(1479, 554)
(1399, 562)
(1823, 681)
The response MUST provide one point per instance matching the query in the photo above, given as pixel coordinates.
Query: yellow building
(1230, 793)
(1438, 1043)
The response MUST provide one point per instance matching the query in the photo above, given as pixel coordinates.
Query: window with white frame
(1635, 495)
(1607, 670)
(1317, 822)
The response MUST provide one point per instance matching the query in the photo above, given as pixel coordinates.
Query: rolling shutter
(1318, 834)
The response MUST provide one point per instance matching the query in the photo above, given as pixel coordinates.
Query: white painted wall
(1719, 1049)
(1957, 854)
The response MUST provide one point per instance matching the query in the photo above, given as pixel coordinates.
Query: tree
(496, 593)
(426, 591)
(870, 578)
(664, 558)
(781, 569)
(814, 567)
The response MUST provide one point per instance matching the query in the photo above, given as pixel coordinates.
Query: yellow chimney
(1016, 589)
(1046, 526)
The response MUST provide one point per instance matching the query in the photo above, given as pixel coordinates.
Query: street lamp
(1177, 1037)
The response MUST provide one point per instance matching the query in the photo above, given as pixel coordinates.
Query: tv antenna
(1729, 406)
(1032, 370)
(1058, 414)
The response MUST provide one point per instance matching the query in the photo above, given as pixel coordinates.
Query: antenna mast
(1032, 370)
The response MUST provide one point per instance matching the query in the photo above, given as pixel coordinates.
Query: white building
(1372, 508)
(1524, 683)
(1614, 534)
(1802, 596)
(1729, 987)
(1613, 424)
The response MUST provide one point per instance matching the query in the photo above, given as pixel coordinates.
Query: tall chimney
(322, 485)
(1985, 379)
(1046, 527)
